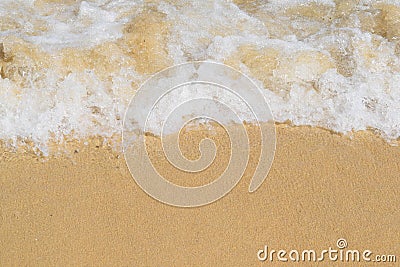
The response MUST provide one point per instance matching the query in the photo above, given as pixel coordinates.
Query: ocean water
(70, 68)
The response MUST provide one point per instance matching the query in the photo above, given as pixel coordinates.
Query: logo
(196, 93)
(340, 254)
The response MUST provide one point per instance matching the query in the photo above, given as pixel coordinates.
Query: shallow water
(71, 67)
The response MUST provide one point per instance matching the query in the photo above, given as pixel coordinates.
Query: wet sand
(85, 209)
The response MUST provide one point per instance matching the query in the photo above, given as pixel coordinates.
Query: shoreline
(68, 145)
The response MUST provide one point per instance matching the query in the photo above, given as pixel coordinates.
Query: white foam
(85, 23)
(359, 93)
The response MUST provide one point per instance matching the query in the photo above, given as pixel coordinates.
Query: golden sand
(85, 209)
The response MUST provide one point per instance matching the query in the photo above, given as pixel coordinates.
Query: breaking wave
(71, 67)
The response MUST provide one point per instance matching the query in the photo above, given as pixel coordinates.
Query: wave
(71, 67)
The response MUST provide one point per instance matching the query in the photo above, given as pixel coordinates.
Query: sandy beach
(85, 209)
(77, 77)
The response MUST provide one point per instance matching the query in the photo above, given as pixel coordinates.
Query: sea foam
(70, 68)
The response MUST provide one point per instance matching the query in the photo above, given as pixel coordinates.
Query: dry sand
(87, 210)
